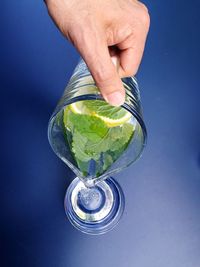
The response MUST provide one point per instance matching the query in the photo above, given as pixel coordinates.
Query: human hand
(110, 36)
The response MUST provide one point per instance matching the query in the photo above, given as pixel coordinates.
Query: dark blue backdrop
(161, 224)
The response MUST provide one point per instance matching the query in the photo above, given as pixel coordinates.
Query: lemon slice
(113, 123)
(81, 108)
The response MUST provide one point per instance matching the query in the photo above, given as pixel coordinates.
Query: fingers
(130, 55)
(131, 46)
(93, 26)
(94, 50)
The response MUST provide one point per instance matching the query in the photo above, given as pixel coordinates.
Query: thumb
(103, 69)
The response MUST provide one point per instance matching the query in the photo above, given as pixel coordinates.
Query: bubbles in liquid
(90, 198)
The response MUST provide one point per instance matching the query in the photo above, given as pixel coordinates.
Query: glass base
(95, 210)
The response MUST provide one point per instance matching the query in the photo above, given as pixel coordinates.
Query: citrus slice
(113, 123)
(79, 108)
(112, 116)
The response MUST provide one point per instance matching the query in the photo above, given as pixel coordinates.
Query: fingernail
(115, 98)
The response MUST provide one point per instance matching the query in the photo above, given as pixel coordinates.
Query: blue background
(161, 223)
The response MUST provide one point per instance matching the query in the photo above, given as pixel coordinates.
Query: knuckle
(129, 73)
(144, 15)
(131, 70)
(78, 37)
(103, 75)
(143, 6)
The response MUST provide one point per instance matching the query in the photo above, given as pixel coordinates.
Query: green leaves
(78, 146)
(115, 138)
(92, 128)
(92, 139)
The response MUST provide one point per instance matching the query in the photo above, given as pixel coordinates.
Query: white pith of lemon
(80, 108)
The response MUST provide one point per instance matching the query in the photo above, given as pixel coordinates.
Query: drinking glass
(94, 201)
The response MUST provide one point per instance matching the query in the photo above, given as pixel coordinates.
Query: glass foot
(94, 210)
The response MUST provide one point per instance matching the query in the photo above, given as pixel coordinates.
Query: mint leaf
(83, 166)
(112, 145)
(108, 160)
(91, 127)
(92, 140)
(115, 138)
(122, 135)
(78, 146)
(102, 108)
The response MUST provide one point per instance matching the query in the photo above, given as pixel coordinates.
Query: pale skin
(110, 35)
